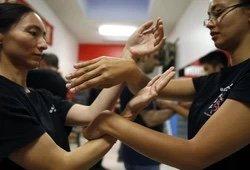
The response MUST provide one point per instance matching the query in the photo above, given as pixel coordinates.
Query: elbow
(198, 159)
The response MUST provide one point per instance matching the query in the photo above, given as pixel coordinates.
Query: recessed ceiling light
(116, 30)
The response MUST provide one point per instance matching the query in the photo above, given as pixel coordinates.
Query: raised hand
(100, 72)
(146, 39)
(105, 72)
(148, 93)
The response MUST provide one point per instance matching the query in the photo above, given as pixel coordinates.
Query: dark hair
(50, 59)
(214, 58)
(244, 1)
(10, 14)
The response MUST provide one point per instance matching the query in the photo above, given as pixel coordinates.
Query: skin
(216, 139)
(21, 51)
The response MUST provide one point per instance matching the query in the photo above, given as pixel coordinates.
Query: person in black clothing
(214, 61)
(32, 122)
(218, 122)
(150, 117)
(47, 76)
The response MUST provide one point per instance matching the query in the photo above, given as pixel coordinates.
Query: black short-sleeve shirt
(24, 116)
(211, 92)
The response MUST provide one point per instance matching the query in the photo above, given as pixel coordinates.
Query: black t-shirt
(24, 116)
(129, 155)
(49, 80)
(211, 92)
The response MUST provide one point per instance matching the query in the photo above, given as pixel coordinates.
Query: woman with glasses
(219, 118)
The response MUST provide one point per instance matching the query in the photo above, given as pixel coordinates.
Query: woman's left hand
(148, 93)
(102, 72)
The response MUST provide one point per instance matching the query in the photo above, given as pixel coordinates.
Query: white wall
(194, 38)
(65, 45)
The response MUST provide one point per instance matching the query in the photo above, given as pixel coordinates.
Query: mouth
(38, 54)
(214, 34)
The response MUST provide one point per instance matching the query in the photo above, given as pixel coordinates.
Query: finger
(145, 26)
(153, 80)
(148, 31)
(95, 82)
(164, 81)
(159, 46)
(86, 63)
(82, 71)
(159, 35)
(156, 78)
(159, 32)
(83, 78)
(164, 75)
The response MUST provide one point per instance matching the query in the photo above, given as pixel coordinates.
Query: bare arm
(81, 115)
(220, 136)
(43, 153)
(177, 89)
(156, 117)
(176, 107)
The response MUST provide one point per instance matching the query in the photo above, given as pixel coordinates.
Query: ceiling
(82, 17)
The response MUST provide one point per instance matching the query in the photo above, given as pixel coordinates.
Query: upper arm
(226, 132)
(42, 153)
(179, 89)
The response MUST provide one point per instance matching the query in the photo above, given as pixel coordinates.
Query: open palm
(146, 39)
(148, 93)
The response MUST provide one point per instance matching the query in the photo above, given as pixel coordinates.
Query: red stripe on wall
(90, 51)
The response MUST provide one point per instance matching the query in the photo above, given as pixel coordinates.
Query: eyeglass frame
(213, 17)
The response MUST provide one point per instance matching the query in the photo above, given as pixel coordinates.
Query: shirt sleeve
(199, 82)
(62, 106)
(18, 126)
(241, 90)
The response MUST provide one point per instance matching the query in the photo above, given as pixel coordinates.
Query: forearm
(106, 100)
(156, 117)
(180, 110)
(167, 149)
(44, 153)
(91, 152)
(180, 89)
(137, 81)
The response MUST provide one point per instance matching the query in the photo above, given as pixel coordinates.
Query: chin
(220, 45)
(33, 65)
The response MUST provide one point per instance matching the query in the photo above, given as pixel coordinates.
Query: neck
(242, 52)
(11, 72)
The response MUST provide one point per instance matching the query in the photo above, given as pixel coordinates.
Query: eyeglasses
(218, 15)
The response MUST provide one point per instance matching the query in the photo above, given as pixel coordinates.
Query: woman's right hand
(94, 129)
(146, 39)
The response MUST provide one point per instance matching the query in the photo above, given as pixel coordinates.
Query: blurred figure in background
(150, 117)
(214, 61)
(48, 77)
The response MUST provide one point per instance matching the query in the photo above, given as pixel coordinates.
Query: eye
(33, 33)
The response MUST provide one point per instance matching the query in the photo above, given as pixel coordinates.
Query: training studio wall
(64, 44)
(193, 38)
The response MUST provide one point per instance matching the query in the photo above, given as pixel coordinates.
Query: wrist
(126, 53)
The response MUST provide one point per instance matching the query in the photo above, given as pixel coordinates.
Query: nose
(210, 24)
(42, 44)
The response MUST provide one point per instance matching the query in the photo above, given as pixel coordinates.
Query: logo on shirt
(218, 101)
(52, 109)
